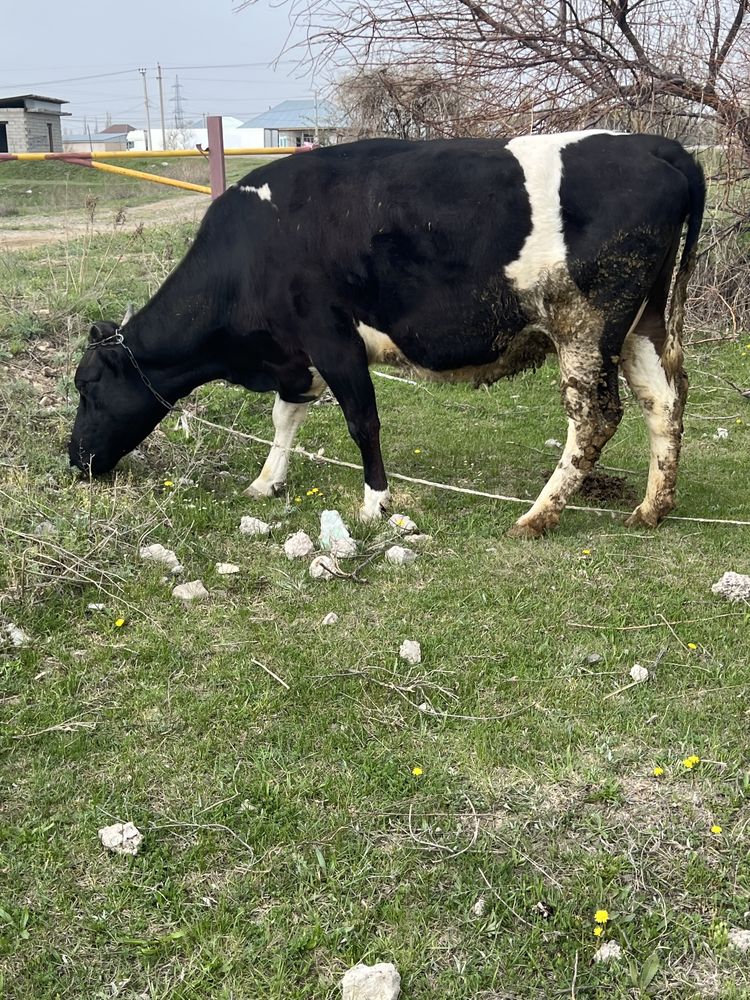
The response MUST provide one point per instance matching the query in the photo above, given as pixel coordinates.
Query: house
(297, 123)
(191, 135)
(106, 141)
(30, 123)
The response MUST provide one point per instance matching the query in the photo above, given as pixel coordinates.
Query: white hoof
(375, 505)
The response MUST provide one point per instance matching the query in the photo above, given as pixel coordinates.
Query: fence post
(216, 170)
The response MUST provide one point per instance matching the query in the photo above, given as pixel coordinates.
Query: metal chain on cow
(117, 338)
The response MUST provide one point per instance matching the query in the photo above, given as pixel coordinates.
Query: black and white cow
(463, 259)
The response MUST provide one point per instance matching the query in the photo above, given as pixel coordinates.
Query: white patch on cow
(380, 348)
(376, 502)
(541, 162)
(264, 192)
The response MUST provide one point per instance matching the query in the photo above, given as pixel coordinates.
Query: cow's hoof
(370, 515)
(259, 489)
(376, 504)
(643, 517)
(527, 530)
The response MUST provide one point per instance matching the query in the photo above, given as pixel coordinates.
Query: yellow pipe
(159, 154)
(141, 175)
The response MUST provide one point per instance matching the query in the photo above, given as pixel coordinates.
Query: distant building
(31, 124)
(106, 141)
(298, 123)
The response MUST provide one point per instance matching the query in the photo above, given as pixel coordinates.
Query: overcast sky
(222, 57)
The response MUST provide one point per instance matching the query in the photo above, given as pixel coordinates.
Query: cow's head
(116, 410)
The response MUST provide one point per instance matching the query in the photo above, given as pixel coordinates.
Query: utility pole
(148, 116)
(160, 78)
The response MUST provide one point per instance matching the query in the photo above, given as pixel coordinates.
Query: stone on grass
(16, 635)
(324, 568)
(372, 982)
(402, 523)
(733, 586)
(254, 526)
(610, 951)
(330, 619)
(638, 673)
(45, 529)
(165, 557)
(96, 607)
(552, 443)
(419, 539)
(739, 939)
(410, 651)
(594, 658)
(721, 434)
(227, 569)
(299, 546)
(193, 591)
(343, 548)
(121, 838)
(480, 907)
(397, 555)
(332, 529)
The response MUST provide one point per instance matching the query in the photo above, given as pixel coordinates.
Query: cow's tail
(677, 157)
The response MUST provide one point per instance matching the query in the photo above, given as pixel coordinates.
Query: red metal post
(216, 170)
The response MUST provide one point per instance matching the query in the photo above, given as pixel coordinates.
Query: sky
(223, 57)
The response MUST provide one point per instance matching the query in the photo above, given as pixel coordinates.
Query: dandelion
(738, 420)
(298, 499)
(309, 493)
(314, 490)
(601, 916)
(691, 761)
(417, 451)
(658, 771)
(168, 483)
(692, 645)
(598, 931)
(586, 552)
(417, 772)
(119, 622)
(716, 830)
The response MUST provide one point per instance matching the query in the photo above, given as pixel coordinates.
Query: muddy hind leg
(652, 365)
(592, 401)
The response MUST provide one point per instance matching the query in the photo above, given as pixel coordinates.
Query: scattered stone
(96, 607)
(227, 569)
(372, 982)
(330, 619)
(480, 907)
(739, 939)
(733, 586)
(158, 554)
(121, 838)
(420, 539)
(343, 548)
(410, 651)
(397, 555)
(16, 635)
(402, 523)
(593, 658)
(333, 530)
(552, 443)
(254, 526)
(638, 673)
(299, 546)
(324, 568)
(610, 951)
(193, 591)
(45, 529)
(721, 434)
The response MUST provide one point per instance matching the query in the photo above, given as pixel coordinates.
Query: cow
(461, 259)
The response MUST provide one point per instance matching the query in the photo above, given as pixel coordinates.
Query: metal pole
(148, 116)
(216, 169)
(161, 107)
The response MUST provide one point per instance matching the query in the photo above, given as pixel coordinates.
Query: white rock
(193, 591)
(480, 907)
(17, 636)
(254, 526)
(343, 548)
(332, 530)
(610, 951)
(733, 586)
(419, 539)
(638, 673)
(165, 557)
(410, 651)
(372, 982)
(399, 556)
(45, 529)
(299, 546)
(330, 619)
(739, 939)
(227, 569)
(402, 523)
(324, 568)
(122, 838)
(721, 434)
(96, 607)
(552, 443)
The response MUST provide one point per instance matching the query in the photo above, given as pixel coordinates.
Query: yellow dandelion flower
(598, 931)
(601, 916)
(309, 493)
(298, 499)
(417, 771)
(692, 645)
(119, 622)
(315, 490)
(586, 552)
(417, 451)
(738, 421)
(168, 482)
(691, 761)
(658, 771)
(716, 830)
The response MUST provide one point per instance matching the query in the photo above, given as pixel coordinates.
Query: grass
(287, 837)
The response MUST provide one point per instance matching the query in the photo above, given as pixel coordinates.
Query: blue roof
(297, 114)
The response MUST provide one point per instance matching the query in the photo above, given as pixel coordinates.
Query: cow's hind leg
(592, 401)
(655, 374)
(287, 419)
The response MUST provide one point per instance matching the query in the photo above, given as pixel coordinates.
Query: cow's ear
(100, 331)
(129, 313)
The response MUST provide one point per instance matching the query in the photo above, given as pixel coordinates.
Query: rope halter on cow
(117, 339)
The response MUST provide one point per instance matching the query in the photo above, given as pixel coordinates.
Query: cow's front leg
(592, 401)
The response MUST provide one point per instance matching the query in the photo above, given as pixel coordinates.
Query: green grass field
(286, 834)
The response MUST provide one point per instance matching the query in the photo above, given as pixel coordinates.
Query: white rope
(314, 457)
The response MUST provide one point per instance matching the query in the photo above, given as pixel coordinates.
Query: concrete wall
(27, 131)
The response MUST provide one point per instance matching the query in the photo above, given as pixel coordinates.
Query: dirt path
(38, 230)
